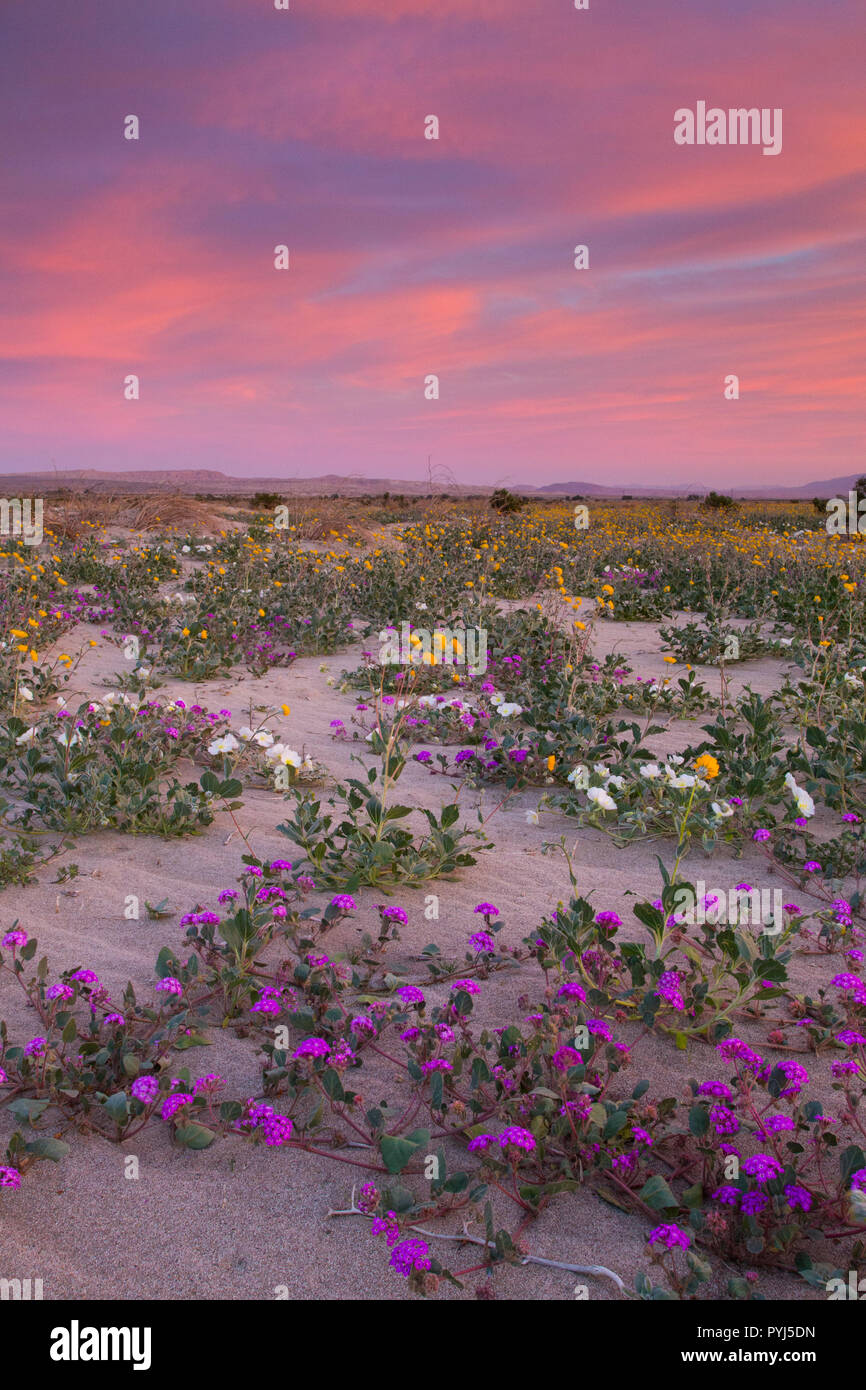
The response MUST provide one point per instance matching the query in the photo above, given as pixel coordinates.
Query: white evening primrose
(805, 804)
(226, 743)
(683, 782)
(281, 753)
(601, 798)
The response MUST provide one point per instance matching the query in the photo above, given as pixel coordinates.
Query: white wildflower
(601, 798)
(226, 743)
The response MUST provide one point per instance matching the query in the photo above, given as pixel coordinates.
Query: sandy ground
(239, 1222)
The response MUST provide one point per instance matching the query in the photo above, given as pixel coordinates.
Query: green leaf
(437, 1087)
(166, 963)
(702, 1270)
(657, 1195)
(332, 1085)
(27, 1110)
(397, 1153)
(615, 1123)
(117, 1107)
(399, 1198)
(48, 1147)
(699, 1120)
(608, 1195)
(850, 1160)
(420, 1138)
(195, 1136)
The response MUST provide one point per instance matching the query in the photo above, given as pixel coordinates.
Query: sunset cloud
(452, 256)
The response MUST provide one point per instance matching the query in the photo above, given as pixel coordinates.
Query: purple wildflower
(394, 914)
(798, 1197)
(411, 994)
(410, 1254)
(670, 1235)
(172, 1104)
(572, 990)
(145, 1089)
(763, 1167)
(169, 986)
(482, 941)
(520, 1138)
(727, 1194)
(312, 1047)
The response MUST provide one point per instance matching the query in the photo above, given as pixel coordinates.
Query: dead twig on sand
(467, 1239)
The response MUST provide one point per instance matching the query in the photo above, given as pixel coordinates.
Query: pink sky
(412, 257)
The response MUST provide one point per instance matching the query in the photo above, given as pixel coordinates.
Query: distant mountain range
(825, 487)
(209, 480)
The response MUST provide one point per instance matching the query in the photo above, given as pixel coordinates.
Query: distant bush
(504, 501)
(718, 501)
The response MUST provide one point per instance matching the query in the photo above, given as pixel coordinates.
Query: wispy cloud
(411, 257)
